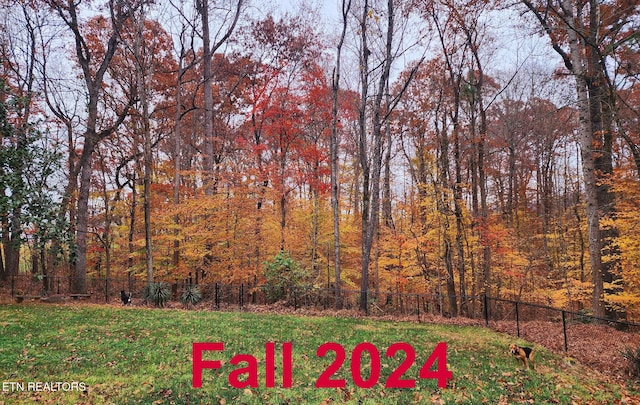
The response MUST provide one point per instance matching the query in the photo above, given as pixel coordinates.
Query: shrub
(191, 295)
(585, 316)
(633, 357)
(158, 293)
(282, 274)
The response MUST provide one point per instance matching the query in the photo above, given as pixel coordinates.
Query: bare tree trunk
(484, 210)
(177, 159)
(3, 273)
(283, 211)
(386, 188)
(4, 215)
(363, 157)
(454, 83)
(211, 142)
(585, 61)
(79, 275)
(444, 209)
(106, 236)
(457, 208)
(68, 203)
(315, 230)
(263, 183)
(335, 202)
(93, 81)
(147, 190)
(372, 166)
(142, 74)
(478, 101)
(601, 114)
(585, 137)
(132, 225)
(12, 242)
(203, 9)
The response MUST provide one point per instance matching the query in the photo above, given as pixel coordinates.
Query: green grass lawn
(137, 355)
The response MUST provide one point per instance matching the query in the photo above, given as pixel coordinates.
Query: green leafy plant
(283, 274)
(158, 293)
(585, 316)
(191, 295)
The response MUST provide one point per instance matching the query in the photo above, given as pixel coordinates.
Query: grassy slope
(135, 355)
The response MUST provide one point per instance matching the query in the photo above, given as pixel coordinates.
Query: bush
(633, 357)
(158, 293)
(585, 316)
(191, 295)
(282, 274)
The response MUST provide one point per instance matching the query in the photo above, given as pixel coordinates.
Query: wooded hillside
(455, 147)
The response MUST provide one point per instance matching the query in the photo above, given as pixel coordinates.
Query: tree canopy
(427, 149)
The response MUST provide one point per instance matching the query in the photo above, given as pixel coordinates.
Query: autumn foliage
(481, 184)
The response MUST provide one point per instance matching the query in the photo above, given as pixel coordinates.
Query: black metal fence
(224, 295)
(494, 311)
(558, 322)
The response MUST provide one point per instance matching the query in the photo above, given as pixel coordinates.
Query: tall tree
(228, 25)
(27, 203)
(183, 48)
(93, 65)
(454, 51)
(370, 138)
(585, 34)
(335, 202)
(18, 53)
(281, 49)
(142, 79)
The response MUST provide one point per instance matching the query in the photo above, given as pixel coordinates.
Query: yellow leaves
(629, 300)
(628, 242)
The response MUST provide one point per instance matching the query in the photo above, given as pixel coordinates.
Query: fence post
(217, 296)
(564, 331)
(486, 309)
(241, 294)
(295, 299)
(366, 300)
(517, 319)
(418, 305)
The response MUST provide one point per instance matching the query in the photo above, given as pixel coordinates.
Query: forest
(458, 147)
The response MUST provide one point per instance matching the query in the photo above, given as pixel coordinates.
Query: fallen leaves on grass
(598, 346)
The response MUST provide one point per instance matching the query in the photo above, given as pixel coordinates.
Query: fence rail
(419, 306)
